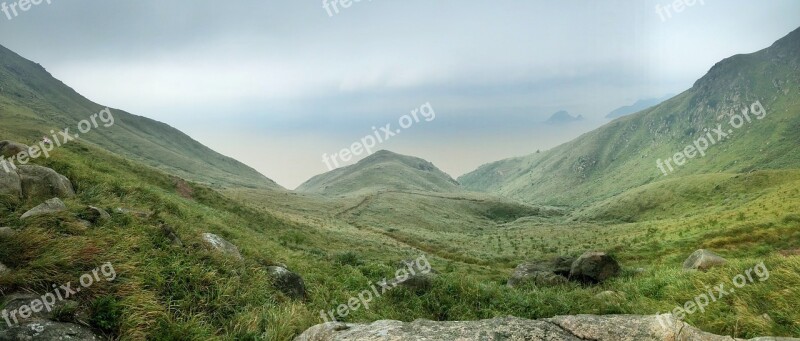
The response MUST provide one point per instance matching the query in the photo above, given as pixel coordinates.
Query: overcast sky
(277, 83)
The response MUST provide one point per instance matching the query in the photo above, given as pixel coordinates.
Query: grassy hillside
(623, 154)
(32, 103)
(382, 170)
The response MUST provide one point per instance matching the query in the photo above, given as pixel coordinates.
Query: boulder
(562, 328)
(548, 272)
(703, 260)
(95, 215)
(3, 269)
(10, 148)
(289, 283)
(594, 267)
(218, 244)
(414, 274)
(43, 182)
(40, 325)
(6, 232)
(51, 206)
(10, 184)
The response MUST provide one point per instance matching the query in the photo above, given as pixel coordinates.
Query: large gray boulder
(220, 245)
(10, 184)
(51, 206)
(10, 148)
(703, 260)
(39, 326)
(563, 328)
(547, 272)
(43, 182)
(594, 267)
(289, 283)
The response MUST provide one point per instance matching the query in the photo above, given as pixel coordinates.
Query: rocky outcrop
(703, 260)
(51, 206)
(10, 184)
(10, 148)
(545, 272)
(563, 328)
(34, 182)
(220, 245)
(39, 326)
(289, 283)
(43, 182)
(594, 267)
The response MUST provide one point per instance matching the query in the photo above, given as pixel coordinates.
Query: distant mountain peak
(382, 170)
(563, 116)
(640, 105)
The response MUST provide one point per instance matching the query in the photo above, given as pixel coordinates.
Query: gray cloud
(312, 83)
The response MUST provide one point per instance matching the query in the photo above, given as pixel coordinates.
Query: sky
(278, 83)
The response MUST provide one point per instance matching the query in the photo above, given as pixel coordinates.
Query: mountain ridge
(33, 102)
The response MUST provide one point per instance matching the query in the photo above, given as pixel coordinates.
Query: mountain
(625, 153)
(640, 105)
(383, 170)
(33, 103)
(562, 117)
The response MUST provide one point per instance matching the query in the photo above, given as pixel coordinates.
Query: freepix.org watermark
(332, 6)
(367, 143)
(702, 301)
(11, 11)
(711, 138)
(677, 6)
(418, 266)
(49, 300)
(46, 145)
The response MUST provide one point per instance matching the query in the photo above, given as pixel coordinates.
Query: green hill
(33, 103)
(623, 154)
(383, 170)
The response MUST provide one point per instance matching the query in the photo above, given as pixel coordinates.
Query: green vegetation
(32, 103)
(622, 154)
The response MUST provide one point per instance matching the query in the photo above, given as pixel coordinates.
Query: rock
(414, 274)
(6, 232)
(10, 184)
(10, 149)
(40, 325)
(703, 260)
(221, 245)
(562, 328)
(594, 267)
(95, 215)
(51, 206)
(43, 182)
(3, 269)
(289, 283)
(543, 272)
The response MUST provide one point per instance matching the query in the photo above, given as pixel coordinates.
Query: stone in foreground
(562, 328)
(289, 283)
(51, 206)
(594, 267)
(223, 246)
(703, 260)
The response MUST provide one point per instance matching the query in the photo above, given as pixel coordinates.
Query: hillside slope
(383, 170)
(32, 103)
(623, 154)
